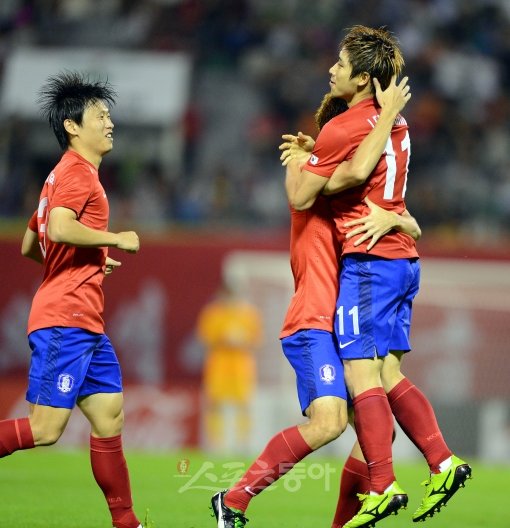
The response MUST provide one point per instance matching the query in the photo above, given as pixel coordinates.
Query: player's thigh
(328, 413)
(217, 377)
(362, 375)
(243, 377)
(400, 337)
(105, 413)
(391, 373)
(59, 364)
(319, 372)
(370, 294)
(103, 373)
(47, 423)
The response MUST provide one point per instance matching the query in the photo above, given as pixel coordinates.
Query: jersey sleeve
(32, 223)
(73, 188)
(331, 148)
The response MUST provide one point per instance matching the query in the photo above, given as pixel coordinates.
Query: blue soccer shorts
(70, 363)
(374, 306)
(319, 372)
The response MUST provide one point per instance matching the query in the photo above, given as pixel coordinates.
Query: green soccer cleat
(226, 517)
(440, 488)
(377, 507)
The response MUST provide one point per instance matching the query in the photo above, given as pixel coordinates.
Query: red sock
(415, 415)
(111, 473)
(280, 455)
(15, 435)
(374, 428)
(354, 480)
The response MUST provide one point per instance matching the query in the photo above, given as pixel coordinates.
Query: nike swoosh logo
(343, 345)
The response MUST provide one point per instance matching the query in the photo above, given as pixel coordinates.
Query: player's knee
(109, 426)
(329, 430)
(390, 378)
(333, 432)
(46, 436)
(118, 422)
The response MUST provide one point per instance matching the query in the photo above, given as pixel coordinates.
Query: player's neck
(91, 157)
(357, 98)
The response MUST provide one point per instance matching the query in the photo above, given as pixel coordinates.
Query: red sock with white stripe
(415, 415)
(111, 474)
(15, 435)
(374, 427)
(279, 456)
(354, 480)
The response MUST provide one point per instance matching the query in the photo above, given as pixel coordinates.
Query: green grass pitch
(51, 488)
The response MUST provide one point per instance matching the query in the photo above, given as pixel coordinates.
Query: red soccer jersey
(314, 262)
(337, 142)
(71, 291)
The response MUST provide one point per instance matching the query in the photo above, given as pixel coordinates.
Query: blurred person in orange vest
(230, 328)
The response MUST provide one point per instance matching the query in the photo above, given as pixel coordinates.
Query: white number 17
(391, 164)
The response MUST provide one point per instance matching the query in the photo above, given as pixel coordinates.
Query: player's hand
(373, 226)
(296, 148)
(301, 140)
(395, 97)
(128, 241)
(110, 265)
(296, 154)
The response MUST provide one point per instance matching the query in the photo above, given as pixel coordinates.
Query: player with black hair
(307, 335)
(377, 285)
(73, 362)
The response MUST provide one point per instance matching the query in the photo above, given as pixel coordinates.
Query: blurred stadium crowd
(260, 68)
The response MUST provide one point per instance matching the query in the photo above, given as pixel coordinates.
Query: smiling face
(94, 137)
(343, 86)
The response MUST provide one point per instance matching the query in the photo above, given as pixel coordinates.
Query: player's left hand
(296, 148)
(301, 140)
(396, 96)
(373, 226)
(110, 265)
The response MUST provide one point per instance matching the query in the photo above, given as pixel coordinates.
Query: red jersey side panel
(71, 291)
(314, 262)
(337, 142)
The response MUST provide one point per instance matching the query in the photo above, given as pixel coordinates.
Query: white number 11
(353, 312)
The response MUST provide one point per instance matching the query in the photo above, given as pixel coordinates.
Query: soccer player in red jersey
(377, 286)
(73, 361)
(307, 337)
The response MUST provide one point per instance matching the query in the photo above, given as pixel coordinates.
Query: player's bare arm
(302, 186)
(379, 222)
(356, 171)
(30, 246)
(64, 228)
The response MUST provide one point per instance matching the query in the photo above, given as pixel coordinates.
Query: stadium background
(205, 90)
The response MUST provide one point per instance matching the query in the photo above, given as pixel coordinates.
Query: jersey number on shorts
(391, 165)
(353, 312)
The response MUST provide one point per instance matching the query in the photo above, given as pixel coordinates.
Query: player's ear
(70, 127)
(364, 80)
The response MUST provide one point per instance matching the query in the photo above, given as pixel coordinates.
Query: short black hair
(375, 51)
(67, 95)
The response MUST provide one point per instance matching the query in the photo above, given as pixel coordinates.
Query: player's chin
(108, 147)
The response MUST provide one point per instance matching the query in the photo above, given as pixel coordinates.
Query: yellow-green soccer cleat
(440, 488)
(377, 507)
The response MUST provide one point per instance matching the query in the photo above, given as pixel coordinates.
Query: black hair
(67, 95)
(375, 51)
